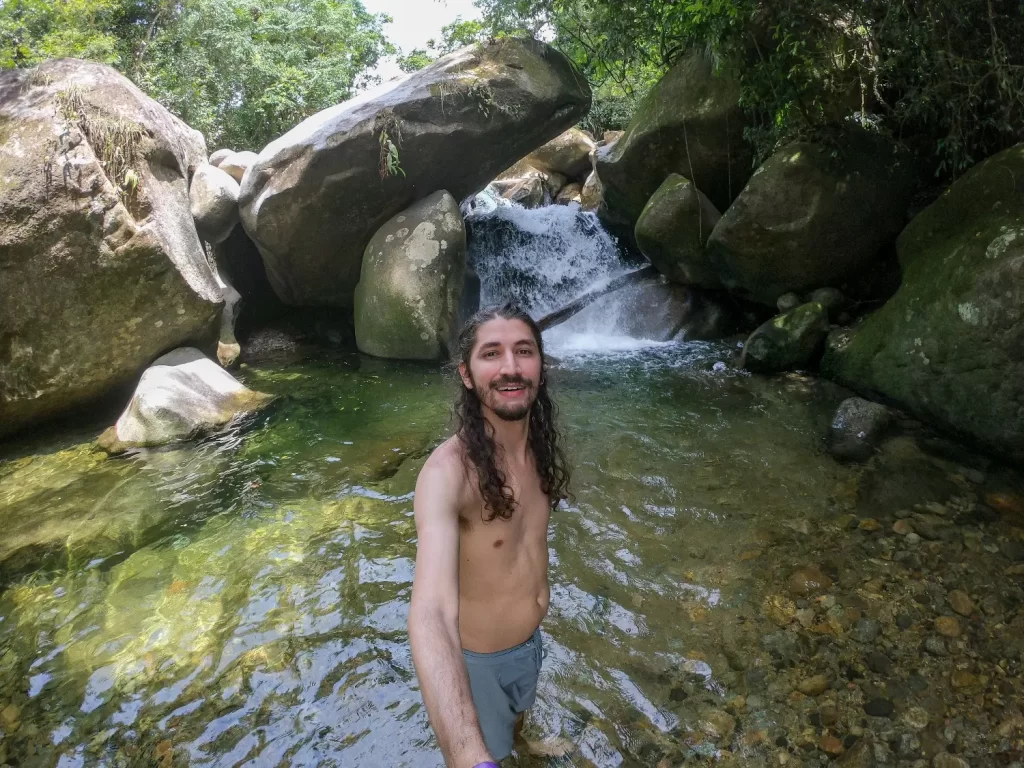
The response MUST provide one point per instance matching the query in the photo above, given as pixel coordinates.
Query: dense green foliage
(456, 35)
(239, 72)
(945, 76)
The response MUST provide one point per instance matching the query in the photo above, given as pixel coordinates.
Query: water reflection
(243, 601)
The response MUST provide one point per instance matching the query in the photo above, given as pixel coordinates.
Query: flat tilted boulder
(101, 269)
(673, 230)
(949, 346)
(316, 196)
(568, 154)
(182, 395)
(408, 296)
(691, 124)
(809, 219)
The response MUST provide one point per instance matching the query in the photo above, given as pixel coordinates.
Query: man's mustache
(511, 381)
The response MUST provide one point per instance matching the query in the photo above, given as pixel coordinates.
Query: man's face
(504, 368)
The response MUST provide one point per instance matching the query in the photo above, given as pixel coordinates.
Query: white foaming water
(543, 258)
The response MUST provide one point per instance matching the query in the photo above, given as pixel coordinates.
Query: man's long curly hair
(481, 453)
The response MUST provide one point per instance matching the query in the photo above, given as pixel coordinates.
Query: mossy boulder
(316, 196)
(789, 341)
(949, 346)
(811, 216)
(98, 276)
(408, 295)
(182, 395)
(674, 228)
(691, 124)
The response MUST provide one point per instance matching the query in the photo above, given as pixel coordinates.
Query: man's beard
(506, 411)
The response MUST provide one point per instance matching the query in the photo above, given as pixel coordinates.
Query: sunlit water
(243, 601)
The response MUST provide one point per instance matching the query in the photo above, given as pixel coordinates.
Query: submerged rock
(857, 429)
(180, 396)
(674, 228)
(788, 341)
(213, 198)
(658, 310)
(690, 123)
(316, 196)
(102, 267)
(808, 219)
(947, 346)
(408, 296)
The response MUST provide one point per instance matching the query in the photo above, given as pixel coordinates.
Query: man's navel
(498, 543)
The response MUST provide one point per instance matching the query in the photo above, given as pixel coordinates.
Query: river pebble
(947, 626)
(960, 602)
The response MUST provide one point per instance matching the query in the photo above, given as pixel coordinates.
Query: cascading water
(544, 258)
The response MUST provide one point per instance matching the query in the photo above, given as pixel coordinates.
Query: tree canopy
(944, 75)
(240, 72)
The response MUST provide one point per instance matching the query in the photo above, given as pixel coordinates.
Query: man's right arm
(434, 617)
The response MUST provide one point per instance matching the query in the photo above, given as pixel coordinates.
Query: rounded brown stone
(961, 602)
(947, 626)
(809, 581)
(902, 527)
(813, 686)
(831, 745)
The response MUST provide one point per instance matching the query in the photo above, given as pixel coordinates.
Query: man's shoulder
(446, 461)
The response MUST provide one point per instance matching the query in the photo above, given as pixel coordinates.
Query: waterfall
(543, 258)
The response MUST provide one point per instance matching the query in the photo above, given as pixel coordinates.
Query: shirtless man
(483, 500)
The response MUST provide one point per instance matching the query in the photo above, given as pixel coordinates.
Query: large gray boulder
(673, 230)
(316, 196)
(691, 124)
(182, 395)
(408, 296)
(949, 346)
(213, 197)
(567, 154)
(786, 342)
(808, 219)
(101, 269)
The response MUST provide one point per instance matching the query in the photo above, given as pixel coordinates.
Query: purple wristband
(488, 764)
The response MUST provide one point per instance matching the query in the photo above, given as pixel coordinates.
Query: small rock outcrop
(788, 341)
(182, 395)
(947, 347)
(316, 196)
(218, 157)
(690, 123)
(674, 228)
(567, 154)
(102, 269)
(237, 163)
(213, 197)
(409, 293)
(857, 428)
(807, 219)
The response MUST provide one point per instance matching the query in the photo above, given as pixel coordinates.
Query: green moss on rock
(948, 346)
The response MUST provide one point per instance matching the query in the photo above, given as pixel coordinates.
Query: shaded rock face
(528, 193)
(239, 262)
(315, 197)
(567, 154)
(592, 193)
(691, 124)
(659, 310)
(97, 278)
(788, 341)
(807, 220)
(213, 196)
(182, 395)
(857, 428)
(674, 228)
(948, 346)
(409, 294)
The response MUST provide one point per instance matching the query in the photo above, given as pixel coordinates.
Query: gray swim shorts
(504, 684)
